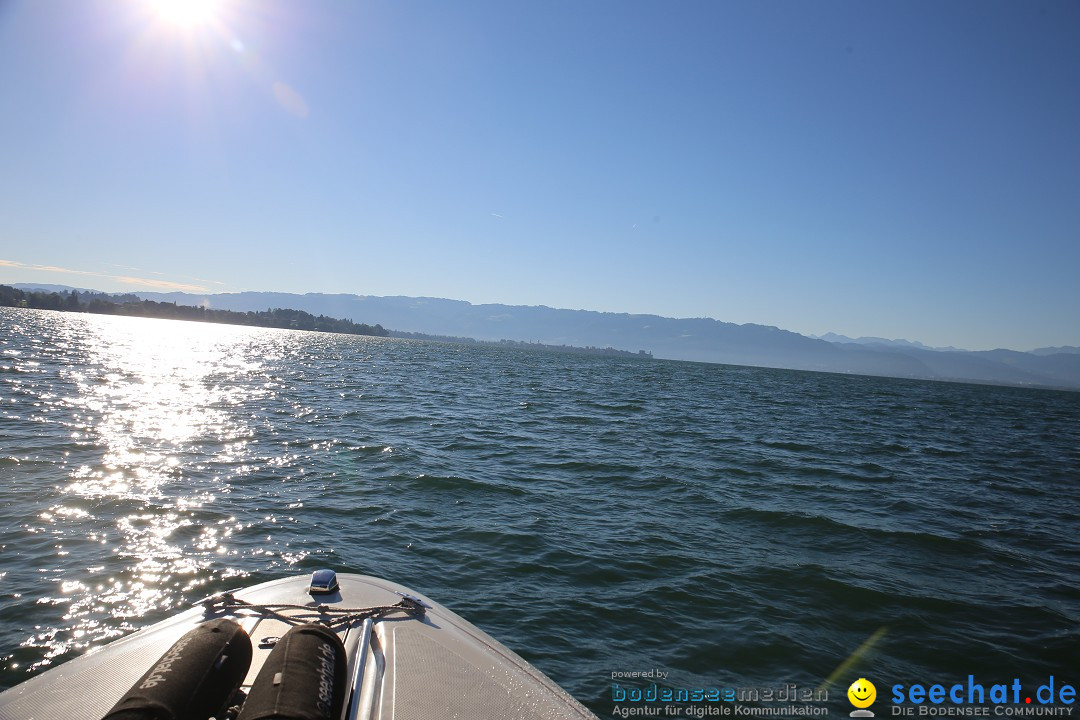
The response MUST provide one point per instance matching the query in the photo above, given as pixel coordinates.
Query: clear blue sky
(898, 168)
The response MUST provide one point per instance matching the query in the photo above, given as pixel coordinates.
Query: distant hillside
(699, 339)
(834, 338)
(1065, 349)
(131, 306)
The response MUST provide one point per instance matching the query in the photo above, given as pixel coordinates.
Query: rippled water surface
(731, 526)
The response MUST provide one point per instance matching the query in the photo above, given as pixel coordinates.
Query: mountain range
(695, 339)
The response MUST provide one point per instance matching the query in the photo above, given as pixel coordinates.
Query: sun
(186, 13)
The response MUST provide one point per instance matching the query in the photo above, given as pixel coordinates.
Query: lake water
(730, 526)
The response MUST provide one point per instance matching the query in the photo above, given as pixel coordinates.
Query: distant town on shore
(524, 344)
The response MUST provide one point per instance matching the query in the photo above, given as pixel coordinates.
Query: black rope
(328, 615)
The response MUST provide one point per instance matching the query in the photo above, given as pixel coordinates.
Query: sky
(906, 169)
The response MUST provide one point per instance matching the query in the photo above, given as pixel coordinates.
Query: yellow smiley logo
(862, 693)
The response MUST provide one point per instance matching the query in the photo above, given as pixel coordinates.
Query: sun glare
(186, 13)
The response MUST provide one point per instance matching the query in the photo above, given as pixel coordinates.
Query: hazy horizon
(432, 297)
(897, 170)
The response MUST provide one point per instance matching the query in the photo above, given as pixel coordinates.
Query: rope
(328, 615)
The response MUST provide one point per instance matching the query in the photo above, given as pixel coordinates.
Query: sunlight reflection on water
(148, 396)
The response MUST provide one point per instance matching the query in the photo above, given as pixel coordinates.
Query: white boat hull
(432, 667)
